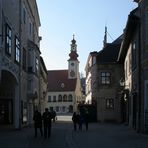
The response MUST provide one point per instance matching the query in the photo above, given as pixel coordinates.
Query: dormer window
(62, 85)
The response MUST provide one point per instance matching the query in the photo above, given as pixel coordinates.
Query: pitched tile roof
(109, 53)
(58, 81)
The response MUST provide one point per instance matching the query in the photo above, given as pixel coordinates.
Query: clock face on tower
(72, 73)
(73, 48)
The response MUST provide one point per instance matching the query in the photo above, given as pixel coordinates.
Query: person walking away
(47, 117)
(86, 120)
(54, 115)
(75, 120)
(81, 120)
(37, 122)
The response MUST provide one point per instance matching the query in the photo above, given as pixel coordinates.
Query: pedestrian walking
(47, 117)
(54, 115)
(81, 120)
(37, 122)
(75, 120)
(86, 120)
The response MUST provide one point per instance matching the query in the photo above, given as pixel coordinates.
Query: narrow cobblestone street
(98, 135)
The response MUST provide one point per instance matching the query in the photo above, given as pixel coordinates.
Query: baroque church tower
(73, 63)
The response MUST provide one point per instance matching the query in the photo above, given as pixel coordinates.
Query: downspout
(1, 23)
(20, 65)
(139, 73)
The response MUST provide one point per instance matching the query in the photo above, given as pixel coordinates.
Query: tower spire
(105, 37)
(73, 36)
(73, 54)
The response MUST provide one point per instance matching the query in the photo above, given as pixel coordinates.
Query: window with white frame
(110, 103)
(54, 98)
(8, 40)
(70, 98)
(49, 98)
(17, 50)
(105, 78)
(60, 98)
(65, 98)
(36, 64)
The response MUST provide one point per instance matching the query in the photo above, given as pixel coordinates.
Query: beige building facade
(103, 74)
(19, 62)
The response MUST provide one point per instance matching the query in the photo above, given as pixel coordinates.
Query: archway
(8, 98)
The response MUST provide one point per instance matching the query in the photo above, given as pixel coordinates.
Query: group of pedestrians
(79, 119)
(44, 119)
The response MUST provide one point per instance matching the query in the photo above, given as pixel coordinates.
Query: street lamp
(122, 82)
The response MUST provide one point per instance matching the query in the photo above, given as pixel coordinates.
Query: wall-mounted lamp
(122, 82)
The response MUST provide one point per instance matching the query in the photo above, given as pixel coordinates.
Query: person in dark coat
(86, 119)
(81, 120)
(47, 117)
(37, 122)
(75, 120)
(54, 115)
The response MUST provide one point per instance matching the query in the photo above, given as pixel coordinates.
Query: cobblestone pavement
(109, 135)
(98, 135)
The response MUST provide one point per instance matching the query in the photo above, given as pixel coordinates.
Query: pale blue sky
(86, 19)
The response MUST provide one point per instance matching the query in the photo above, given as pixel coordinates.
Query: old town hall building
(64, 88)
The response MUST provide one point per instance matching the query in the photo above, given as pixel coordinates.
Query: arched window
(60, 98)
(65, 98)
(70, 98)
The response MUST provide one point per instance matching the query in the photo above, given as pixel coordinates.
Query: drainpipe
(1, 23)
(139, 73)
(20, 69)
(0, 35)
